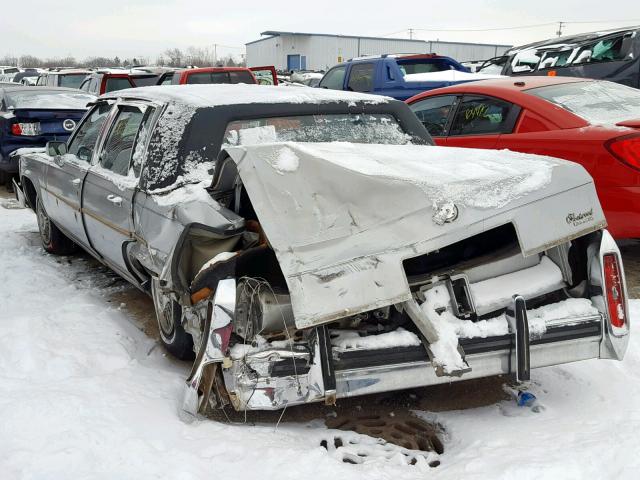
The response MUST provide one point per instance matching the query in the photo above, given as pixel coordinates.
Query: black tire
(53, 240)
(3, 177)
(169, 315)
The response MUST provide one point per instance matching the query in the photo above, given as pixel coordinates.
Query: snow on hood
(342, 217)
(448, 76)
(241, 94)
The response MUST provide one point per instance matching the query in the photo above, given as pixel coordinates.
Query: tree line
(172, 57)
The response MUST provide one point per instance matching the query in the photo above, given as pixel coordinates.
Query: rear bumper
(355, 382)
(375, 371)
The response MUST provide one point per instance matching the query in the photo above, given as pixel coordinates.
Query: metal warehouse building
(317, 51)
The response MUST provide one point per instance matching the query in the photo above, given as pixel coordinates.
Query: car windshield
(72, 80)
(29, 98)
(599, 103)
(358, 128)
(493, 66)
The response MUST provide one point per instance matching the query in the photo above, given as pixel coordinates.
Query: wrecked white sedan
(305, 247)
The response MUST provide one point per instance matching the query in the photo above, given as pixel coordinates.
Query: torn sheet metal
(342, 217)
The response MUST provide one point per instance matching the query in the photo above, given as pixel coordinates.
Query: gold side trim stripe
(109, 224)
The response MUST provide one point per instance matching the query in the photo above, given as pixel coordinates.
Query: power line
(561, 25)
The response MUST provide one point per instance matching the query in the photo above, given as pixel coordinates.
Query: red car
(592, 122)
(191, 76)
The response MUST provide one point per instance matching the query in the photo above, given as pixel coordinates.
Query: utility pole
(215, 54)
(560, 25)
(411, 33)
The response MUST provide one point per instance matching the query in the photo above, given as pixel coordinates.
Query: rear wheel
(53, 240)
(169, 314)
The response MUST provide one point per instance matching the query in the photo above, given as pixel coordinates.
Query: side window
(482, 116)
(118, 148)
(606, 50)
(334, 78)
(85, 85)
(41, 80)
(434, 112)
(555, 59)
(361, 77)
(84, 141)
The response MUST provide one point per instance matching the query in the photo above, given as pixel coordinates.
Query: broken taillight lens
(614, 291)
(626, 149)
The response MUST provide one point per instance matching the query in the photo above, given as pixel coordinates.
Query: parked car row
(605, 55)
(307, 248)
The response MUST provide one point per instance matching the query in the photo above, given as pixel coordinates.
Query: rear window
(599, 103)
(72, 80)
(426, 65)
(147, 80)
(208, 78)
(241, 76)
(357, 128)
(114, 84)
(48, 99)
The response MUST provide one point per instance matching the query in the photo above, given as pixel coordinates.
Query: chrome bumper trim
(420, 374)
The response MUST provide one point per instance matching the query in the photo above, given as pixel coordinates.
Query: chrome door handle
(115, 199)
(76, 181)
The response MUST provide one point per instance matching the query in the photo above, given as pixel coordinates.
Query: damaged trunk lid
(343, 217)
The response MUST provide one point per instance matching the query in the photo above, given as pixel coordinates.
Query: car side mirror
(56, 149)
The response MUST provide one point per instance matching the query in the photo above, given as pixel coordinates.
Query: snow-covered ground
(85, 394)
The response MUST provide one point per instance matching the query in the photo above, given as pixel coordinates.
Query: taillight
(626, 149)
(26, 129)
(614, 291)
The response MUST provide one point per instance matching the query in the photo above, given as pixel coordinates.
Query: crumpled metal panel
(341, 235)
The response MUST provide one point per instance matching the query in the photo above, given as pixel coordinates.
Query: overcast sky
(128, 28)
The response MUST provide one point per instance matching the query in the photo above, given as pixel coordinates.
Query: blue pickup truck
(398, 76)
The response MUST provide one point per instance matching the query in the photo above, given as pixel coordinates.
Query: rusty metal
(403, 430)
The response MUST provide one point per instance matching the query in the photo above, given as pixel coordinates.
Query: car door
(480, 120)
(436, 113)
(265, 75)
(111, 183)
(66, 173)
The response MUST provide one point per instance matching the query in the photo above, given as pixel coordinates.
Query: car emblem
(69, 125)
(445, 213)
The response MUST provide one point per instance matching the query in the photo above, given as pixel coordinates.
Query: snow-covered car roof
(241, 94)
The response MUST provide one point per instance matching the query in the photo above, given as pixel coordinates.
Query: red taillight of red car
(614, 291)
(626, 149)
